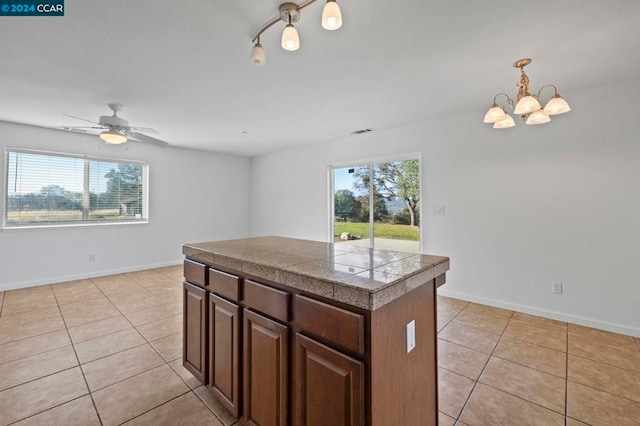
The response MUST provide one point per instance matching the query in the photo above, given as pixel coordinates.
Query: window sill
(71, 225)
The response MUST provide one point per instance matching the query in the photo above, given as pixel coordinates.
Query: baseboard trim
(574, 319)
(92, 274)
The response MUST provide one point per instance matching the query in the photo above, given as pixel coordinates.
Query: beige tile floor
(499, 367)
(108, 351)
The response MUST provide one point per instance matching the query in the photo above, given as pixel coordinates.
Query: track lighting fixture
(290, 39)
(331, 16)
(526, 105)
(257, 54)
(290, 13)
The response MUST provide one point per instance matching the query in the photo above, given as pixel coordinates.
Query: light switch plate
(437, 210)
(556, 287)
(411, 336)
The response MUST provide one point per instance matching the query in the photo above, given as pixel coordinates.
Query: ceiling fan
(116, 130)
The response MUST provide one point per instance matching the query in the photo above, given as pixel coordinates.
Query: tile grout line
(151, 409)
(41, 377)
(37, 353)
(80, 365)
(163, 360)
(167, 364)
(608, 393)
(566, 379)
(78, 359)
(526, 400)
(528, 366)
(466, 402)
(66, 329)
(606, 363)
(452, 318)
(48, 409)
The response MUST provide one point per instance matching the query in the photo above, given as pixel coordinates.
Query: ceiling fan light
(290, 39)
(113, 137)
(526, 105)
(505, 123)
(556, 106)
(257, 55)
(331, 16)
(494, 114)
(537, 117)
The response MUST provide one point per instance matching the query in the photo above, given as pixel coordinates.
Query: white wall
(194, 196)
(524, 206)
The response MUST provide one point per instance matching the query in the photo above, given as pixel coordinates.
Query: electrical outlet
(556, 287)
(92, 257)
(411, 335)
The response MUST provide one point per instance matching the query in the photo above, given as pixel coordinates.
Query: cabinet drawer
(195, 273)
(224, 284)
(267, 300)
(337, 325)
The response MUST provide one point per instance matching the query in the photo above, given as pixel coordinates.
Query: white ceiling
(182, 67)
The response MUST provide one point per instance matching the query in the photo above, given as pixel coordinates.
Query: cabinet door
(194, 343)
(224, 352)
(266, 345)
(329, 386)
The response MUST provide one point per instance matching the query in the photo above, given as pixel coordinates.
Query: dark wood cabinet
(274, 355)
(224, 352)
(266, 364)
(194, 344)
(328, 386)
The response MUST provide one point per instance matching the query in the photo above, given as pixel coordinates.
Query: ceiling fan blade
(143, 130)
(79, 118)
(85, 127)
(71, 129)
(148, 139)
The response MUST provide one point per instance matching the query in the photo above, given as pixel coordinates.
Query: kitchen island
(287, 331)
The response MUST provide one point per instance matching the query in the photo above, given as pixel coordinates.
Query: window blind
(47, 189)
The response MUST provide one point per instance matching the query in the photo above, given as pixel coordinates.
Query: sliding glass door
(377, 205)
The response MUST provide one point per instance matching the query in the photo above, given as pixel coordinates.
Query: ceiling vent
(362, 131)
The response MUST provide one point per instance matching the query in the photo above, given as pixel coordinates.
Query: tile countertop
(358, 276)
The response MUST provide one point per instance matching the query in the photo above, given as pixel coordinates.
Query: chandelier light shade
(257, 54)
(505, 123)
(290, 13)
(113, 137)
(494, 114)
(290, 39)
(538, 117)
(526, 105)
(331, 16)
(556, 105)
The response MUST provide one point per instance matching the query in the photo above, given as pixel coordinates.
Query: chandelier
(290, 13)
(527, 106)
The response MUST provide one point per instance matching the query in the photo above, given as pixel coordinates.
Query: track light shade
(290, 39)
(331, 16)
(257, 55)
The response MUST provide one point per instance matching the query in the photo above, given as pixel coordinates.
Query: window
(385, 215)
(51, 189)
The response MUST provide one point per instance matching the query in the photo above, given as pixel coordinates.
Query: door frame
(369, 162)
